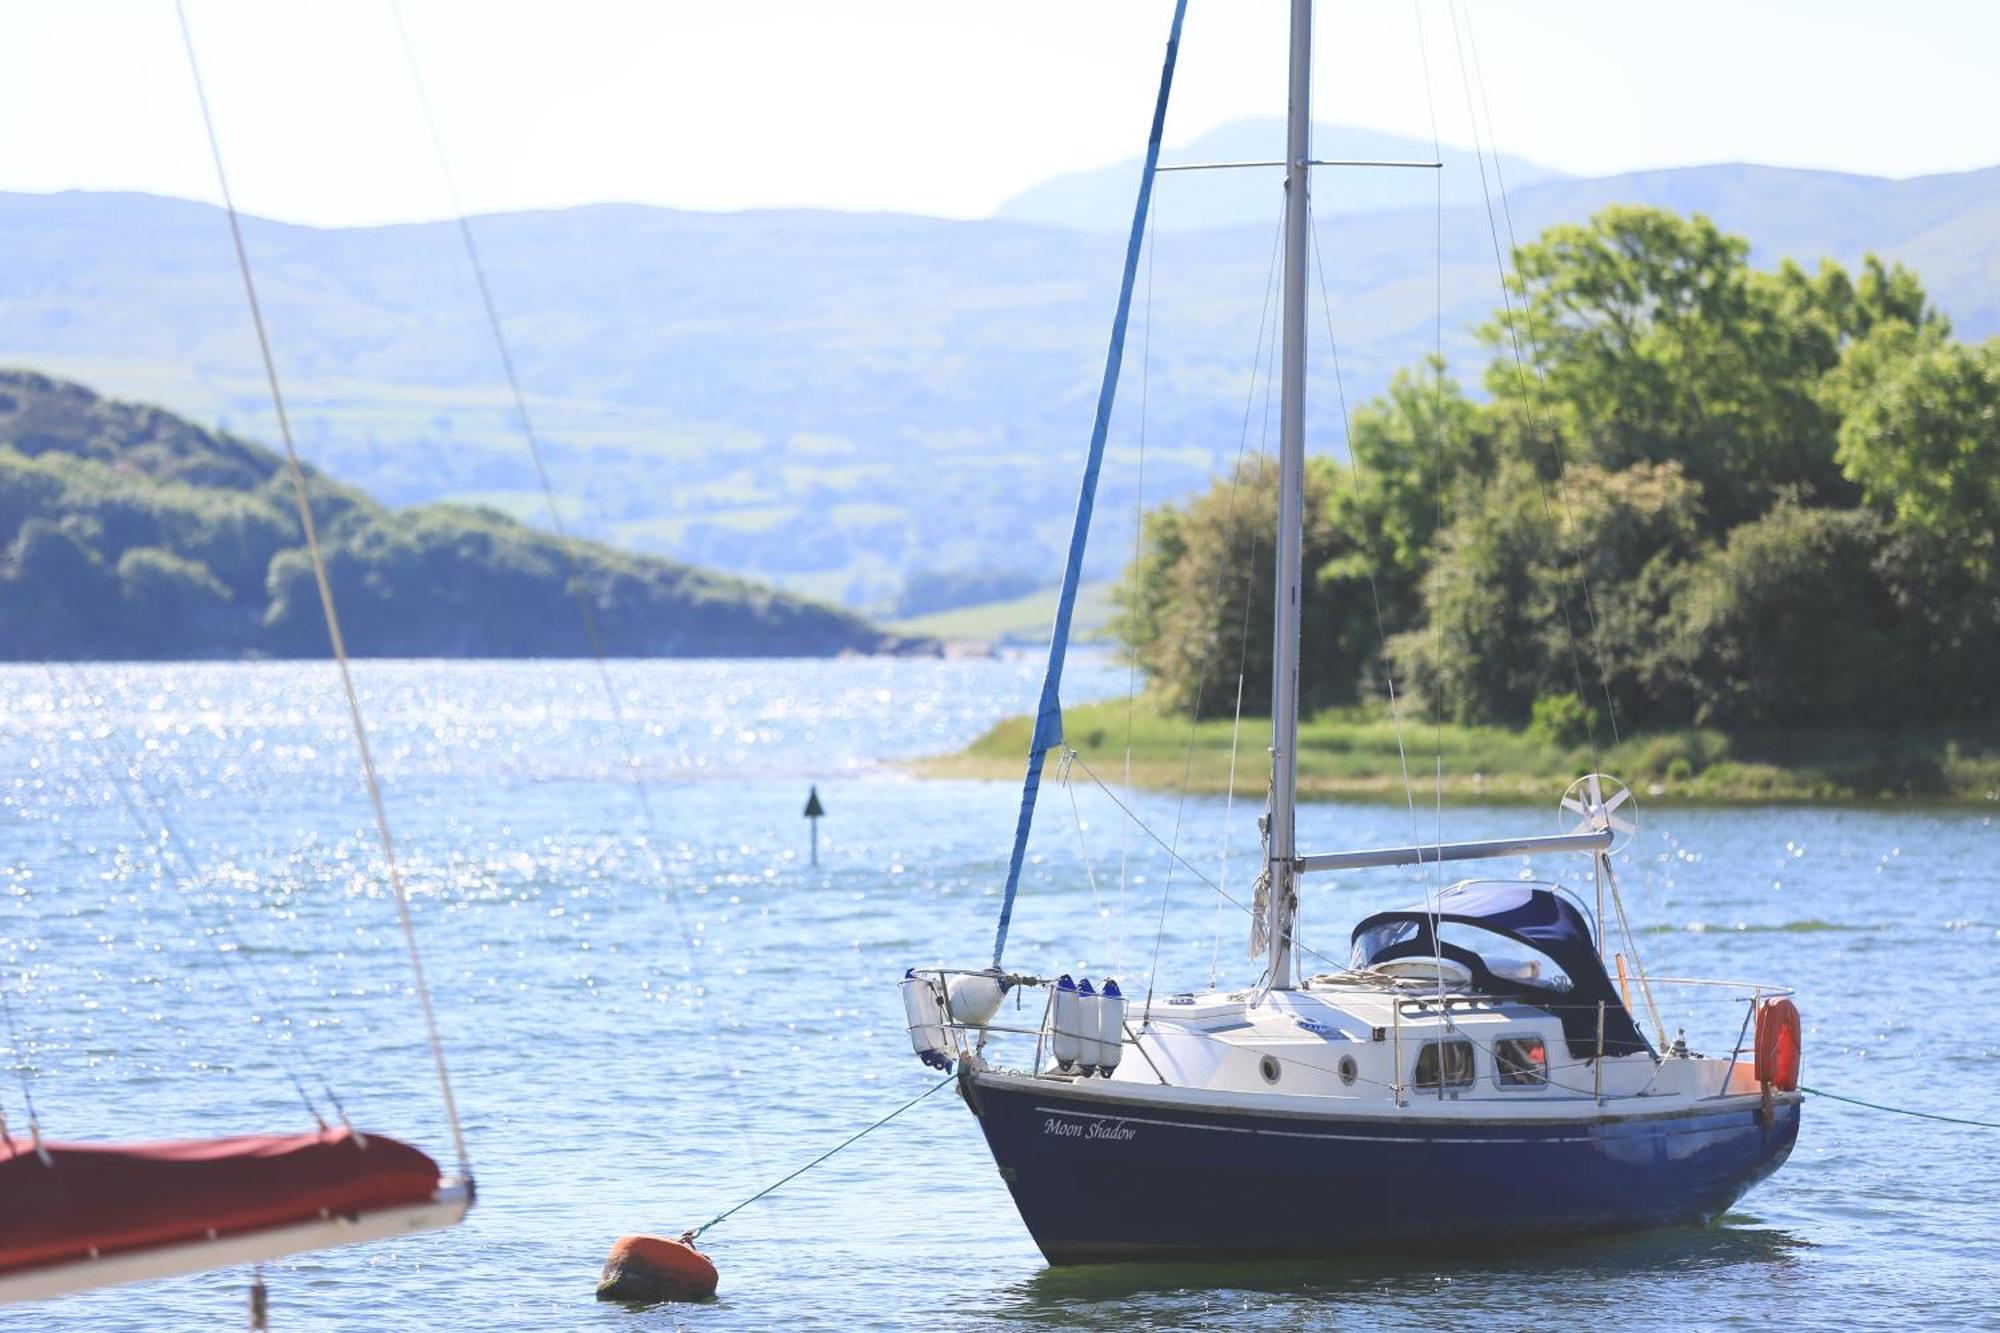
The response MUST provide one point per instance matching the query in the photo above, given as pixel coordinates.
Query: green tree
(1791, 622)
(171, 605)
(1642, 336)
(1921, 435)
(1197, 604)
(1411, 447)
(1142, 599)
(1507, 616)
(54, 592)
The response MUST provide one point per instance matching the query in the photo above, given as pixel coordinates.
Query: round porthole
(1269, 1068)
(1348, 1072)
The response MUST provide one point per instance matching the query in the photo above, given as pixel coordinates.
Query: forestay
(1048, 714)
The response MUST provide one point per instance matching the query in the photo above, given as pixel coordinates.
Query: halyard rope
(20, 1063)
(572, 565)
(160, 836)
(298, 479)
(1193, 869)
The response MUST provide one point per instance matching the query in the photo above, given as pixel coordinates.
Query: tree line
(1693, 492)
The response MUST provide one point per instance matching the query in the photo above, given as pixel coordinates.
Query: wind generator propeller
(1591, 805)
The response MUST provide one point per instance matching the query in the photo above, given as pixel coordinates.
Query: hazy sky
(936, 106)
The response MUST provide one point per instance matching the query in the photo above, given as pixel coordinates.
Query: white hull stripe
(252, 1247)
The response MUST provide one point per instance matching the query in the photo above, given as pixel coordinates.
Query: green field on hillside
(1023, 619)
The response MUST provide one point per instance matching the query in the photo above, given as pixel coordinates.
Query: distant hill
(1101, 200)
(128, 532)
(835, 401)
(1018, 621)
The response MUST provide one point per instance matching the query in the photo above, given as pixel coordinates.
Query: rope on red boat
(1900, 1110)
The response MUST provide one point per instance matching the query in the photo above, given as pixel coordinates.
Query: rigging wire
(1138, 549)
(1228, 822)
(1437, 435)
(302, 495)
(160, 834)
(1478, 76)
(1471, 73)
(572, 565)
(1207, 656)
(1258, 366)
(1261, 883)
(1521, 358)
(1354, 470)
(1083, 848)
(1175, 856)
(1432, 878)
(21, 1063)
(1435, 888)
(1601, 863)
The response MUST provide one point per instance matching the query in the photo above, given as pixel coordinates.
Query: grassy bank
(1354, 754)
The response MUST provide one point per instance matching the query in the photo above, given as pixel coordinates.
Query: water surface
(649, 1017)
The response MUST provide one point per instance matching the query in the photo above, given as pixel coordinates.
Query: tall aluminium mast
(1282, 895)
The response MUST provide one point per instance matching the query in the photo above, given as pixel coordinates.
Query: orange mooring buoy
(651, 1268)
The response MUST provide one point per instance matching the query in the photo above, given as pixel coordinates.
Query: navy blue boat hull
(1098, 1182)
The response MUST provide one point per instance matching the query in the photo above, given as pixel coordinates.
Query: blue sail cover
(1539, 918)
(1048, 715)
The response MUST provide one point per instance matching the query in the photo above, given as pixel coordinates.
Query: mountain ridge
(1100, 198)
(836, 402)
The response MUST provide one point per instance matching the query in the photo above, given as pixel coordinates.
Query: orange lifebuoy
(1778, 1044)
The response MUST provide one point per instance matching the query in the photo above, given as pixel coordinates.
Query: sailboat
(1472, 1070)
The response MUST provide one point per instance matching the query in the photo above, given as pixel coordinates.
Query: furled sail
(1048, 713)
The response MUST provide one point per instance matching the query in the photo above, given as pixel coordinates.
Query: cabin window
(1521, 1062)
(1445, 1064)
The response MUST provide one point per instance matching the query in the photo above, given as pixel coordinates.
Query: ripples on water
(615, 1078)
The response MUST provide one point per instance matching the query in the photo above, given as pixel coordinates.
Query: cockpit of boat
(1531, 943)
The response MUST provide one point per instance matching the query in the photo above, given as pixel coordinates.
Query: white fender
(1065, 1021)
(1088, 1004)
(974, 997)
(925, 1019)
(1110, 1027)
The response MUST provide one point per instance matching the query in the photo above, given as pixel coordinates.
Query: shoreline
(1354, 755)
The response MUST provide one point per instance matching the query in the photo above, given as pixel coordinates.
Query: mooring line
(1901, 1110)
(775, 1185)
